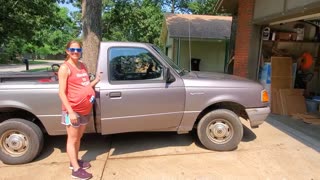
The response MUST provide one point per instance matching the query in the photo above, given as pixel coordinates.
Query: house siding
(209, 36)
(213, 59)
(169, 47)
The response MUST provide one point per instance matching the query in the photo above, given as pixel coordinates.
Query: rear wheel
(20, 141)
(220, 130)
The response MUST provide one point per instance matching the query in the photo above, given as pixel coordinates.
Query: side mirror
(168, 76)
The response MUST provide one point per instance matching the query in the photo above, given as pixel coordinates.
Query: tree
(202, 7)
(54, 38)
(91, 21)
(174, 6)
(39, 26)
(91, 11)
(127, 20)
(23, 18)
(27, 26)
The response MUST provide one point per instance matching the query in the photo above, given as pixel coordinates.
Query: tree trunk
(91, 20)
(172, 7)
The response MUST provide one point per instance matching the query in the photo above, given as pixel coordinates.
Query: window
(133, 64)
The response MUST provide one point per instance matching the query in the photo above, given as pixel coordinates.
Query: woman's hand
(73, 118)
(97, 79)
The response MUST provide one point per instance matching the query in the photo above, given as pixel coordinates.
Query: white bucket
(312, 106)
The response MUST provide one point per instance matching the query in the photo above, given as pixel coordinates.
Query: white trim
(306, 17)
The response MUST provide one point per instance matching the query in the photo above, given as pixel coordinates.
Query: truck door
(136, 96)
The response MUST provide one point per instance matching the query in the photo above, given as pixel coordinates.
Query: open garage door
(290, 63)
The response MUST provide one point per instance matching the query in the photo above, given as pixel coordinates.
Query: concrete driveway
(273, 151)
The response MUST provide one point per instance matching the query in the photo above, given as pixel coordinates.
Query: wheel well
(232, 106)
(9, 113)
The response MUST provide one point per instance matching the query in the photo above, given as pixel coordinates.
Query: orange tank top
(78, 90)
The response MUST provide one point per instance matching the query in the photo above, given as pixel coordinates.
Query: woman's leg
(72, 145)
(82, 128)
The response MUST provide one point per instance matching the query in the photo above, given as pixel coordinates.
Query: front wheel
(220, 130)
(20, 141)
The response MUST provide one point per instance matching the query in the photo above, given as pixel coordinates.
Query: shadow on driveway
(133, 144)
(93, 144)
(308, 134)
(129, 143)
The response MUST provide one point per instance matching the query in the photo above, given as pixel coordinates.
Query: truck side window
(127, 63)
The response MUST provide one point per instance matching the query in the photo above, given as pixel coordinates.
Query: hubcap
(219, 131)
(14, 143)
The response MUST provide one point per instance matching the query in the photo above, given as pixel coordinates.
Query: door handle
(114, 94)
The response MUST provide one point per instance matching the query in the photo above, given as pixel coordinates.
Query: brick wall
(243, 37)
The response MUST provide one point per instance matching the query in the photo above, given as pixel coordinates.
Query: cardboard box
(287, 36)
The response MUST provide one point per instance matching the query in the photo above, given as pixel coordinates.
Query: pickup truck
(141, 89)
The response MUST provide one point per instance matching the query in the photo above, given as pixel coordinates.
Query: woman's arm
(63, 76)
(97, 78)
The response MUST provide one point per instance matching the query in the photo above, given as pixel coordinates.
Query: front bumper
(257, 115)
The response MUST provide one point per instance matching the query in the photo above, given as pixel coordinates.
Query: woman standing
(77, 95)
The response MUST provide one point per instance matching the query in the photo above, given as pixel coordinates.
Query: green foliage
(4, 58)
(11, 50)
(55, 38)
(202, 7)
(141, 20)
(138, 20)
(188, 6)
(45, 30)
(174, 6)
(22, 18)
(41, 27)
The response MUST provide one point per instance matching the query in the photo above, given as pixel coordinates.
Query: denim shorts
(82, 120)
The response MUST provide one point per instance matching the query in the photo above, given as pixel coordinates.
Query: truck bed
(7, 77)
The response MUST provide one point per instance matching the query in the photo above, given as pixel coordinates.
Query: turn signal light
(264, 96)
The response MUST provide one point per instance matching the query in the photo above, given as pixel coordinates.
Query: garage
(289, 65)
(277, 42)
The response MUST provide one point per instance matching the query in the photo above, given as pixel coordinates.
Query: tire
(220, 130)
(20, 141)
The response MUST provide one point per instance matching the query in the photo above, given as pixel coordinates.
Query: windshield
(168, 60)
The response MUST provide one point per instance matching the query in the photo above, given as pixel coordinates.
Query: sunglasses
(75, 50)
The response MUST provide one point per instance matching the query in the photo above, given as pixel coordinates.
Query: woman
(77, 96)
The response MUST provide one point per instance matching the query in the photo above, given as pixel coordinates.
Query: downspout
(178, 51)
(259, 56)
(226, 55)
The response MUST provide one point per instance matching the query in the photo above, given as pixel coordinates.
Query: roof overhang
(226, 6)
(307, 12)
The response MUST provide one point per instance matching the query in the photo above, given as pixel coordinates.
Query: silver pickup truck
(141, 89)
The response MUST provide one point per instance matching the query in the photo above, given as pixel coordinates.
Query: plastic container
(312, 106)
(316, 98)
(266, 33)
